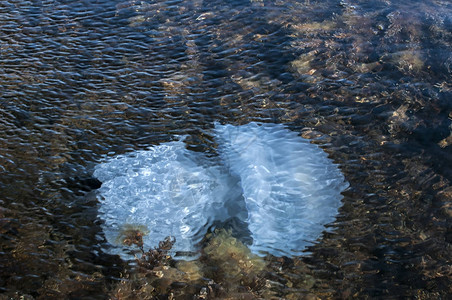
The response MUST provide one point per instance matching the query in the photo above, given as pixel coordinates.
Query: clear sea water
(369, 82)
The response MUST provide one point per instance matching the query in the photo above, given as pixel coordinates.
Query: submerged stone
(230, 257)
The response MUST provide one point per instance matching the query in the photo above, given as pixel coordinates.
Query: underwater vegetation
(275, 183)
(132, 235)
(226, 269)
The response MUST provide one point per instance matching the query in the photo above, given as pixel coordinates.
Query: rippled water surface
(368, 81)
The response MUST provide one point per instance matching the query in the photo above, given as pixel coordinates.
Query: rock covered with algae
(231, 258)
(226, 270)
(279, 186)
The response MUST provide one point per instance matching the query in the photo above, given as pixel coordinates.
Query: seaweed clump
(156, 275)
(226, 269)
(132, 235)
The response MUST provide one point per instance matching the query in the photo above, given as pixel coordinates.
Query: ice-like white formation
(266, 176)
(168, 189)
(291, 188)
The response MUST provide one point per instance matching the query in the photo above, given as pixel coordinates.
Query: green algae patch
(230, 259)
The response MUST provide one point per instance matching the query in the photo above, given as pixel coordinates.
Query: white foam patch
(168, 189)
(291, 188)
(281, 186)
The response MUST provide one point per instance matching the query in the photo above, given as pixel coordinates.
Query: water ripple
(368, 81)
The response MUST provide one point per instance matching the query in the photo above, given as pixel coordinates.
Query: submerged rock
(231, 258)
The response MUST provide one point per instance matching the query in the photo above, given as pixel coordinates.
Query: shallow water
(368, 81)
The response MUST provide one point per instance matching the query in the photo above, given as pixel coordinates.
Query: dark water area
(368, 81)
